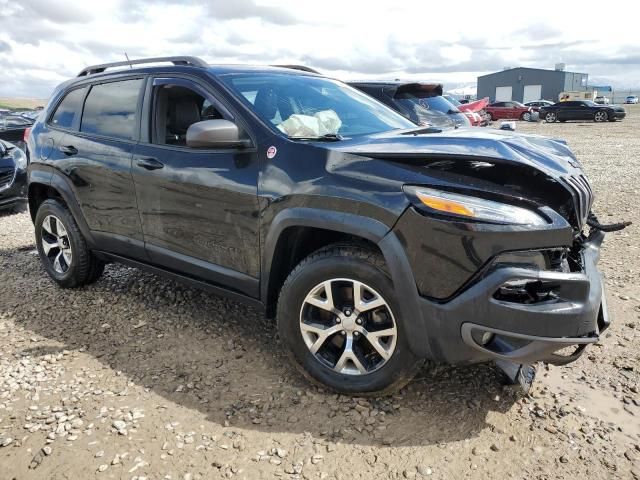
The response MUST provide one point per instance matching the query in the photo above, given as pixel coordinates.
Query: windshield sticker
(271, 152)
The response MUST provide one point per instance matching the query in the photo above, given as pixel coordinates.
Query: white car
(631, 99)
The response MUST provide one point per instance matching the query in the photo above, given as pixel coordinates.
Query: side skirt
(193, 282)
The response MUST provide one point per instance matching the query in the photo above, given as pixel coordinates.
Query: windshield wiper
(422, 130)
(329, 137)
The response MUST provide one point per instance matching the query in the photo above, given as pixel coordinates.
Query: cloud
(242, 9)
(43, 42)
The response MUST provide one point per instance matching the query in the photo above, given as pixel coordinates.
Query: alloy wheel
(526, 116)
(55, 244)
(348, 326)
(600, 116)
(550, 117)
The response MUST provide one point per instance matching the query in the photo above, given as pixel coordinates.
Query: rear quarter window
(110, 109)
(69, 109)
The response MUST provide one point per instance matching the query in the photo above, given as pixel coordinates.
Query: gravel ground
(137, 377)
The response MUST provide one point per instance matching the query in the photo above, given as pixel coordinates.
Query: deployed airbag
(325, 122)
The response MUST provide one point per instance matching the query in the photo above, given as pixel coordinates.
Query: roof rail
(302, 68)
(189, 61)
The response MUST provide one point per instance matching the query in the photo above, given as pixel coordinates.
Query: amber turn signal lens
(445, 205)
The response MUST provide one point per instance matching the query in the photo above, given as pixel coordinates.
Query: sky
(44, 42)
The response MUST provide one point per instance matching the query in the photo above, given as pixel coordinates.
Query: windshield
(439, 104)
(452, 100)
(302, 106)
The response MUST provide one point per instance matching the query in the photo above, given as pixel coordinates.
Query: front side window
(110, 109)
(69, 109)
(302, 106)
(175, 109)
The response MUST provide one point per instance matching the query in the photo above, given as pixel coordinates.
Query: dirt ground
(137, 377)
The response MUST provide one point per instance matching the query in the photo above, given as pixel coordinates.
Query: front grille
(582, 195)
(6, 177)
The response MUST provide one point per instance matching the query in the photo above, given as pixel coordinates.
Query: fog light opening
(486, 338)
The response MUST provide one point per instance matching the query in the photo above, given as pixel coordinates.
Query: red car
(508, 110)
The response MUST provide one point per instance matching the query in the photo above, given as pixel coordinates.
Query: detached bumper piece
(568, 312)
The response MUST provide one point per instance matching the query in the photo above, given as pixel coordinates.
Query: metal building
(529, 84)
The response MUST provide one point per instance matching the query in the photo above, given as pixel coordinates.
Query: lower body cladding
(520, 314)
(13, 189)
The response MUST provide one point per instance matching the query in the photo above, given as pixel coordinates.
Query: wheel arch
(57, 188)
(297, 232)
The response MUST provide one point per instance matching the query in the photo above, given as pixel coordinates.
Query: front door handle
(69, 150)
(149, 163)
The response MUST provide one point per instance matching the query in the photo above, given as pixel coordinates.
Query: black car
(422, 103)
(581, 110)
(375, 243)
(13, 177)
(539, 103)
(12, 128)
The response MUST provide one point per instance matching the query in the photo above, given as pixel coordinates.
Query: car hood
(474, 106)
(549, 155)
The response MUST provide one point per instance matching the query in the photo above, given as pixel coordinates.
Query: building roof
(528, 68)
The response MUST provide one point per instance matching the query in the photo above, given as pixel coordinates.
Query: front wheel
(526, 116)
(550, 117)
(338, 317)
(601, 116)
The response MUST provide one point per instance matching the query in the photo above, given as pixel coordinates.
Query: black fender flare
(63, 187)
(369, 229)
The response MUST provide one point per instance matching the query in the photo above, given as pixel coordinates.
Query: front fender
(369, 229)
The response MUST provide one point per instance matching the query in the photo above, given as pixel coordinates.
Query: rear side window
(68, 110)
(110, 109)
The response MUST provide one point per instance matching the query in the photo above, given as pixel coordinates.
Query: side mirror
(215, 134)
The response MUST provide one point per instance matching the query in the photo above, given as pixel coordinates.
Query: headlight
(21, 160)
(476, 208)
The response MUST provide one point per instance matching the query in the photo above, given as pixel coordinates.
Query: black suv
(375, 243)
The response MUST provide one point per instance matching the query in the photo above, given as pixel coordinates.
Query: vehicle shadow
(223, 359)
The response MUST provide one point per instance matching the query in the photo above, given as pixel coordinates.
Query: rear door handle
(149, 163)
(69, 150)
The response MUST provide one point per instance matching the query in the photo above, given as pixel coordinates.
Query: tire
(526, 116)
(340, 266)
(550, 117)
(601, 116)
(57, 229)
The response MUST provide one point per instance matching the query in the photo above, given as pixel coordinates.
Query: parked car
(13, 127)
(375, 243)
(413, 99)
(475, 111)
(509, 111)
(582, 110)
(28, 114)
(13, 177)
(602, 100)
(631, 99)
(535, 106)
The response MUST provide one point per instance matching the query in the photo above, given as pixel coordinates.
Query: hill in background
(26, 103)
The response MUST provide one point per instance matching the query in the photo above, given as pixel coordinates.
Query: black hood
(551, 156)
(522, 167)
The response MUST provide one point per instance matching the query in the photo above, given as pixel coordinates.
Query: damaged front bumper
(480, 325)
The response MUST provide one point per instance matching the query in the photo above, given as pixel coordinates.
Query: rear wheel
(338, 317)
(62, 248)
(526, 116)
(550, 117)
(601, 116)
